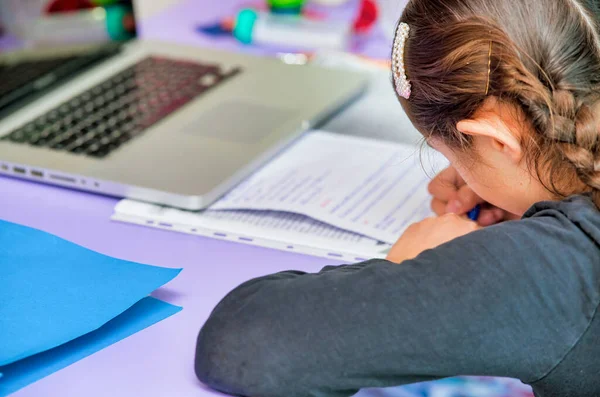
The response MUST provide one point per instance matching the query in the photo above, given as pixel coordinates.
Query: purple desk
(157, 362)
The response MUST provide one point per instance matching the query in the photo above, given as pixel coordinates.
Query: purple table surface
(157, 361)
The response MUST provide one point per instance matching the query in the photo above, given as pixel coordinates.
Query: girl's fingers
(488, 216)
(465, 201)
(445, 185)
(438, 206)
(491, 216)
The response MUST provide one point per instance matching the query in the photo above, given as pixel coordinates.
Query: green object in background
(286, 6)
(103, 2)
(244, 25)
(285, 3)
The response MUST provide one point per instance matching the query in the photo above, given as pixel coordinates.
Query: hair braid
(567, 143)
(583, 151)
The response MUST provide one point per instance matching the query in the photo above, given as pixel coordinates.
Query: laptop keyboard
(102, 119)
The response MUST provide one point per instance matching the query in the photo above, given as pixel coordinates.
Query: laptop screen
(45, 42)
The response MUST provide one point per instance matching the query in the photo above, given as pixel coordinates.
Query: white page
(373, 188)
(292, 230)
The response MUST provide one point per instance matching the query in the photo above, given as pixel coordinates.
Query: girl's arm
(504, 301)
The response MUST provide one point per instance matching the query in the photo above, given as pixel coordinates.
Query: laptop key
(17, 136)
(97, 150)
(105, 140)
(75, 145)
(40, 142)
(77, 150)
(47, 133)
(123, 138)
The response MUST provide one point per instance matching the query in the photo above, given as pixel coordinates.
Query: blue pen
(474, 213)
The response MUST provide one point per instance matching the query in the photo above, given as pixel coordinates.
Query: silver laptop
(158, 122)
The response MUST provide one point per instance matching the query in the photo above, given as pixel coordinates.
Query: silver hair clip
(403, 87)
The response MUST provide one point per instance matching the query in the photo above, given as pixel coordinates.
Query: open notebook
(328, 195)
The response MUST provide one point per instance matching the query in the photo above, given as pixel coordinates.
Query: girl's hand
(451, 195)
(428, 234)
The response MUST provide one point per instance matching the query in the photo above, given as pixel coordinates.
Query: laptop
(113, 114)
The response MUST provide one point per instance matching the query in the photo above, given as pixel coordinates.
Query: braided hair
(545, 59)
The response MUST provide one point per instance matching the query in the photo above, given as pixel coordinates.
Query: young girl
(509, 92)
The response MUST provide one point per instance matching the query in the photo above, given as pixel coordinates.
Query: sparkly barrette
(403, 87)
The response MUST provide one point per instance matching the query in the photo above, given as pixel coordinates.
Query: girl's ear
(492, 128)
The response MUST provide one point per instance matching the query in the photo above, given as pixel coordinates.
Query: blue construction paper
(143, 314)
(53, 291)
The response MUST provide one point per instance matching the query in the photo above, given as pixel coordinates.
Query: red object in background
(129, 23)
(56, 6)
(367, 16)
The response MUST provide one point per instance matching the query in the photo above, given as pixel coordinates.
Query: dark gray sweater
(517, 300)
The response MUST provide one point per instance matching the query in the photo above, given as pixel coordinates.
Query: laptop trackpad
(238, 121)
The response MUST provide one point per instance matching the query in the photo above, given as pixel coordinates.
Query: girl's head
(509, 91)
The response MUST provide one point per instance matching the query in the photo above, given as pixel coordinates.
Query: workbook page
(275, 229)
(265, 224)
(373, 188)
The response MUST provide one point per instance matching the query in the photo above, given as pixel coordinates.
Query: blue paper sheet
(142, 315)
(53, 291)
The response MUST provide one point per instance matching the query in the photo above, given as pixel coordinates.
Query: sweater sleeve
(504, 301)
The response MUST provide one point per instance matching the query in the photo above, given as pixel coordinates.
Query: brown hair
(544, 58)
